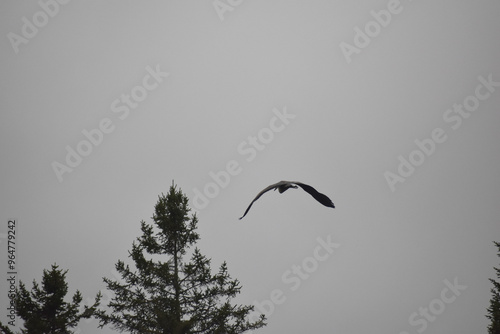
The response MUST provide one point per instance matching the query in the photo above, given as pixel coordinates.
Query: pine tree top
(162, 292)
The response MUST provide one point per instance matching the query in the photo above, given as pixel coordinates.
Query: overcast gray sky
(391, 108)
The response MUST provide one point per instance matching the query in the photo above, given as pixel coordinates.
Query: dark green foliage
(494, 309)
(44, 309)
(4, 329)
(164, 294)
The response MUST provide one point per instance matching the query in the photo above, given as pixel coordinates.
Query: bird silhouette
(283, 186)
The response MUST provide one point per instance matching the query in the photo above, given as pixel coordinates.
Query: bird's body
(283, 186)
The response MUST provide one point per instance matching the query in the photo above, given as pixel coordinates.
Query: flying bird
(283, 186)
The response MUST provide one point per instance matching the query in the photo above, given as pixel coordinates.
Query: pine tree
(44, 309)
(4, 329)
(173, 296)
(494, 309)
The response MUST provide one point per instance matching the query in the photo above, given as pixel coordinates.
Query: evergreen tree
(494, 309)
(44, 309)
(173, 296)
(4, 329)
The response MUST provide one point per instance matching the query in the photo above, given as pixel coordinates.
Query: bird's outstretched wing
(272, 186)
(322, 198)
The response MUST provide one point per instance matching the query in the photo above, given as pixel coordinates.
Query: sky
(390, 108)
